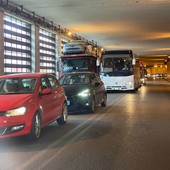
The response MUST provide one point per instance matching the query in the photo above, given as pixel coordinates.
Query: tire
(63, 119)
(92, 106)
(36, 127)
(136, 89)
(104, 102)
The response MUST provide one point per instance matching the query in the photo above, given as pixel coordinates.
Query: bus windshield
(117, 66)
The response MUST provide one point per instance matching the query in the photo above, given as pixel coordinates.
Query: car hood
(72, 90)
(8, 102)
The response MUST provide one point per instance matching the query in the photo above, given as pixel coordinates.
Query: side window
(45, 83)
(93, 79)
(62, 80)
(98, 78)
(54, 82)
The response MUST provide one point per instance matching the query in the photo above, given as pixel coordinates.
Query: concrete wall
(1, 43)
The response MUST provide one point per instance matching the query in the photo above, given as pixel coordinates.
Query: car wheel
(36, 127)
(63, 119)
(104, 102)
(92, 106)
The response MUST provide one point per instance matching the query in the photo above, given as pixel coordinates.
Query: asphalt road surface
(131, 133)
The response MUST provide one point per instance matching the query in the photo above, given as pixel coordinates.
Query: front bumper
(78, 104)
(15, 126)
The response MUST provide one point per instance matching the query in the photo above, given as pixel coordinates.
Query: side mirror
(97, 62)
(45, 92)
(133, 61)
(96, 84)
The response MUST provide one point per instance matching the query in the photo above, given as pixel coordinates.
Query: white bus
(120, 70)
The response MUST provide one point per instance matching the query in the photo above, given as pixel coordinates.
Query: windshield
(17, 85)
(117, 66)
(74, 65)
(72, 79)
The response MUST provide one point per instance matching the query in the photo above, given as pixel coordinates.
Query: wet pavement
(131, 133)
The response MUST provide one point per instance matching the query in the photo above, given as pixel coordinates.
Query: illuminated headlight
(130, 83)
(84, 93)
(16, 112)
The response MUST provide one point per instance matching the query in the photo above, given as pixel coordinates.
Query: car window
(61, 80)
(75, 79)
(18, 85)
(93, 79)
(45, 83)
(64, 80)
(97, 78)
(54, 82)
(31, 84)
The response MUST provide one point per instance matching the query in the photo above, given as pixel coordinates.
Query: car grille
(77, 104)
(2, 113)
(3, 130)
(116, 88)
(9, 129)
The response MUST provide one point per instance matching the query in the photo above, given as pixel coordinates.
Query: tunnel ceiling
(140, 25)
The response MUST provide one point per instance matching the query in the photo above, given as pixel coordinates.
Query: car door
(99, 89)
(58, 96)
(96, 88)
(47, 101)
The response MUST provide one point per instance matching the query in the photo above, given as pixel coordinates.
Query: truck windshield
(69, 65)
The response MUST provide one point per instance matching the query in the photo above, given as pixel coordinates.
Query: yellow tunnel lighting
(69, 33)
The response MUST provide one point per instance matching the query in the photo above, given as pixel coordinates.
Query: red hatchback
(29, 102)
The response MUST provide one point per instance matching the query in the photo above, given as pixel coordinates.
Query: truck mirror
(97, 62)
(133, 61)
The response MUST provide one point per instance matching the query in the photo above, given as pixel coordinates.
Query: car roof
(80, 72)
(78, 55)
(24, 75)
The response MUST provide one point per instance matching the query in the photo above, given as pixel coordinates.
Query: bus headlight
(130, 83)
(16, 112)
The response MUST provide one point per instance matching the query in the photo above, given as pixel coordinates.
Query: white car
(74, 48)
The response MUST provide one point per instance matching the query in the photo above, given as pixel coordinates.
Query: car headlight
(16, 112)
(84, 93)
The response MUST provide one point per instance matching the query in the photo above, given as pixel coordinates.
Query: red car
(29, 102)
